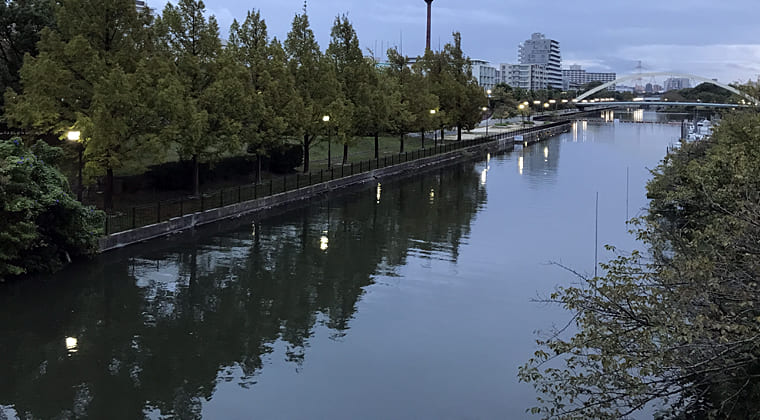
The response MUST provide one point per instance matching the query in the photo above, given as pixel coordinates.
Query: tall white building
(141, 5)
(541, 50)
(484, 73)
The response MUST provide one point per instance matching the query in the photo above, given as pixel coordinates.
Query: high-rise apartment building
(543, 51)
(141, 5)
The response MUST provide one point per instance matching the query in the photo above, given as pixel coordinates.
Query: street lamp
(326, 119)
(488, 118)
(77, 137)
(546, 105)
(522, 112)
(435, 132)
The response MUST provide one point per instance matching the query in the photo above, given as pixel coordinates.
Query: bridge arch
(731, 89)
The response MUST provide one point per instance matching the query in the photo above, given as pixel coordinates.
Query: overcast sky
(710, 38)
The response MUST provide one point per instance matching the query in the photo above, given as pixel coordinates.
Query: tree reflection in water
(157, 326)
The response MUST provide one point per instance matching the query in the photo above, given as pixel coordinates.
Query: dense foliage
(677, 328)
(42, 225)
(20, 24)
(147, 89)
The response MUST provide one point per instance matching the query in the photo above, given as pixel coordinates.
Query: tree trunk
(345, 153)
(423, 138)
(401, 150)
(459, 132)
(196, 176)
(306, 143)
(257, 178)
(443, 134)
(108, 196)
(377, 146)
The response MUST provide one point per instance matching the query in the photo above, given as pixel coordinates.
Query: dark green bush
(42, 225)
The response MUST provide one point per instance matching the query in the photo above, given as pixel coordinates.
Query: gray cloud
(709, 38)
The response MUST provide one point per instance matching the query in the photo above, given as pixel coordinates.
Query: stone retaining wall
(178, 224)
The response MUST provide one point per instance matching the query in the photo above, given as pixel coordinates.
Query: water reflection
(539, 162)
(155, 329)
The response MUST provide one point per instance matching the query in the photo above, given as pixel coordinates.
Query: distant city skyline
(706, 38)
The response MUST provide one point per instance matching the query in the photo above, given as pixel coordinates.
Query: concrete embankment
(405, 169)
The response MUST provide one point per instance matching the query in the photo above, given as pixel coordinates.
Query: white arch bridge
(731, 89)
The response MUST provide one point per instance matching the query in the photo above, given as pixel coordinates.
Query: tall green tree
(20, 24)
(412, 86)
(207, 88)
(384, 104)
(356, 76)
(450, 75)
(397, 77)
(270, 86)
(94, 45)
(315, 81)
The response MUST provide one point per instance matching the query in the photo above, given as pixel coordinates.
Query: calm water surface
(408, 300)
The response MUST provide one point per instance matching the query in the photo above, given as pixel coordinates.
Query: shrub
(42, 226)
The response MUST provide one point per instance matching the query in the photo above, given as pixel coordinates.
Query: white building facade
(485, 74)
(546, 52)
(575, 77)
(524, 76)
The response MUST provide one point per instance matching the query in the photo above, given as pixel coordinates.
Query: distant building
(677, 83)
(485, 74)
(141, 5)
(575, 77)
(539, 50)
(524, 76)
(622, 88)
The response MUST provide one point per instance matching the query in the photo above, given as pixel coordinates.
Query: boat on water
(699, 131)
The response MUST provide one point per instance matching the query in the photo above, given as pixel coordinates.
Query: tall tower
(429, 7)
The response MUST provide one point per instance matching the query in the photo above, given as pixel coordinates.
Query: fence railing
(144, 215)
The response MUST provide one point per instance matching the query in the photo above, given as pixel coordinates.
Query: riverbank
(308, 187)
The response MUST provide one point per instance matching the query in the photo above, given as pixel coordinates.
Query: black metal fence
(160, 211)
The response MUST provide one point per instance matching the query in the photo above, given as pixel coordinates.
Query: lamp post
(546, 106)
(326, 119)
(435, 132)
(553, 102)
(77, 137)
(488, 118)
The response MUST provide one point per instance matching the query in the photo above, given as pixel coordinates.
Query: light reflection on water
(406, 300)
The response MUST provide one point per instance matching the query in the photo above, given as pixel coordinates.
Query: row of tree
(137, 85)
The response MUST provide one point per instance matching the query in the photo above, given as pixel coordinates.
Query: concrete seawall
(178, 224)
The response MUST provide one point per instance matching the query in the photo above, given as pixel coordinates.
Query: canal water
(407, 300)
